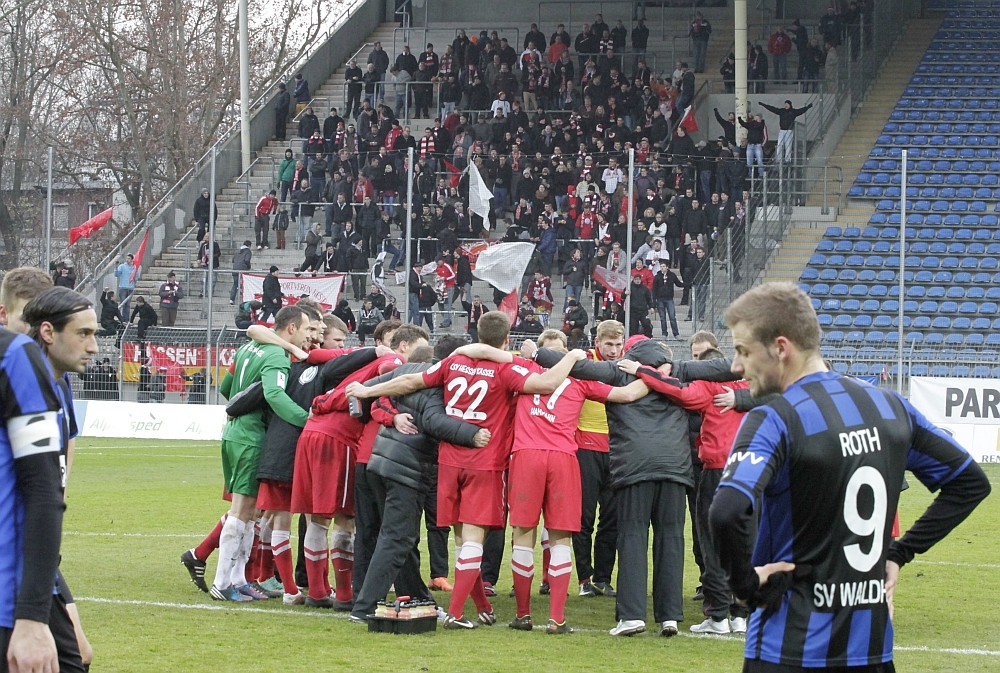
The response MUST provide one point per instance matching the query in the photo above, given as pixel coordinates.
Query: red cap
(633, 340)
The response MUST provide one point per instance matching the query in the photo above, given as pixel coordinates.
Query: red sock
(522, 565)
(282, 550)
(467, 577)
(342, 557)
(317, 568)
(478, 595)
(559, 573)
(211, 542)
(265, 563)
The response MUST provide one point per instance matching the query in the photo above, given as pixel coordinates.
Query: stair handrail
(255, 108)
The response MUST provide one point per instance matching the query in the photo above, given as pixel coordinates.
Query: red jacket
(268, 205)
(646, 275)
(718, 428)
(780, 43)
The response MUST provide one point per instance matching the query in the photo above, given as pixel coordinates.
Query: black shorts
(758, 666)
(63, 589)
(62, 632)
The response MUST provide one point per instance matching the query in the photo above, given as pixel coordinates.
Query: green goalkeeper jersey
(269, 365)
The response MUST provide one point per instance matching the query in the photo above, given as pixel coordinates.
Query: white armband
(34, 433)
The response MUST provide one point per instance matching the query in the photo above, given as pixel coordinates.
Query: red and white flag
(688, 122)
(509, 306)
(614, 282)
(90, 226)
(456, 173)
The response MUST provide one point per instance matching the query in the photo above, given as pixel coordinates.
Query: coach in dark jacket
(400, 471)
(650, 465)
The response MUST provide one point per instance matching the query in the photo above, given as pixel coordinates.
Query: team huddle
(370, 440)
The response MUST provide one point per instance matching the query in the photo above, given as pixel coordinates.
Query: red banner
(172, 360)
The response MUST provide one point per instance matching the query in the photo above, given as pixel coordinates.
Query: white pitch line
(336, 615)
(145, 455)
(98, 534)
(956, 563)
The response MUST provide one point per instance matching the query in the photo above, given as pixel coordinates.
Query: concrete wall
(168, 225)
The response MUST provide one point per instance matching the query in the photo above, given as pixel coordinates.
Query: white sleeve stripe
(34, 433)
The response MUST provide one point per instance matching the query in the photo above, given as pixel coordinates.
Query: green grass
(134, 507)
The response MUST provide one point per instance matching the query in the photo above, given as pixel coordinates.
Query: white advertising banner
(967, 408)
(324, 289)
(149, 421)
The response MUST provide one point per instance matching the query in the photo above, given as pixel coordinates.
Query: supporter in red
(644, 273)
(718, 429)
(540, 291)
(471, 481)
(446, 273)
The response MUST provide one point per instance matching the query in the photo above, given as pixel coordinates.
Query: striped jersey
(825, 461)
(27, 400)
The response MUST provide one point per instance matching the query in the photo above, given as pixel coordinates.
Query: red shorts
(275, 496)
(471, 496)
(323, 483)
(226, 495)
(549, 482)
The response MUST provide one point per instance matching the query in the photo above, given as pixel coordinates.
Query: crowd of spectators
(548, 123)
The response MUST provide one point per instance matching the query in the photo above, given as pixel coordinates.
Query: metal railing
(244, 178)
(255, 108)
(312, 104)
(739, 254)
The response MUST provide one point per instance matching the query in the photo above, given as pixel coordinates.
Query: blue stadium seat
(961, 323)
(852, 305)
(862, 321)
(831, 304)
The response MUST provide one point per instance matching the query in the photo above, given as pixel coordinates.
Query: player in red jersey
(323, 484)
(471, 482)
(545, 477)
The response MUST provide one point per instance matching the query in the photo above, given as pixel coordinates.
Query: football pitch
(136, 505)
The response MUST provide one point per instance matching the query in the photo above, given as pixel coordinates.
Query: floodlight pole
(628, 242)
(244, 85)
(48, 217)
(409, 231)
(209, 288)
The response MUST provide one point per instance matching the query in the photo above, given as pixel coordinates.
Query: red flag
(509, 306)
(613, 281)
(138, 256)
(90, 226)
(456, 174)
(688, 122)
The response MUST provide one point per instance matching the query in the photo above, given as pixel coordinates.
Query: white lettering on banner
(150, 421)
(185, 356)
(966, 409)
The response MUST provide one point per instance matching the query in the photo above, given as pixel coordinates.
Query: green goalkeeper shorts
(239, 467)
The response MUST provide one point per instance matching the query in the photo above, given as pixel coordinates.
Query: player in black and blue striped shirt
(825, 462)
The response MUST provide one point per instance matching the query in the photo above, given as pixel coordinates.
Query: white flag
(502, 265)
(479, 194)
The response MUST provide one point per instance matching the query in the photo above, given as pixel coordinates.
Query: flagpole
(209, 362)
(628, 244)
(902, 271)
(48, 217)
(409, 231)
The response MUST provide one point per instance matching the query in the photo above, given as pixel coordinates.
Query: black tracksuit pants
(367, 522)
(719, 601)
(660, 504)
(437, 536)
(595, 482)
(493, 555)
(395, 558)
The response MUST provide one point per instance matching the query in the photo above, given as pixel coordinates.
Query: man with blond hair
(824, 462)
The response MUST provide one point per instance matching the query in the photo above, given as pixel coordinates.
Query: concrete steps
(853, 149)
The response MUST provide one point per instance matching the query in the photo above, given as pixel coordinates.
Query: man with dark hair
(718, 429)
(36, 633)
(401, 468)
(471, 486)
(651, 478)
(64, 325)
(242, 439)
(171, 294)
(272, 295)
(824, 462)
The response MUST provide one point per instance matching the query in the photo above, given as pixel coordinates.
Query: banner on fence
(969, 409)
(324, 289)
(149, 421)
(173, 361)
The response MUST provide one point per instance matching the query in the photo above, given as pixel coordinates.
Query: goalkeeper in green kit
(243, 437)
